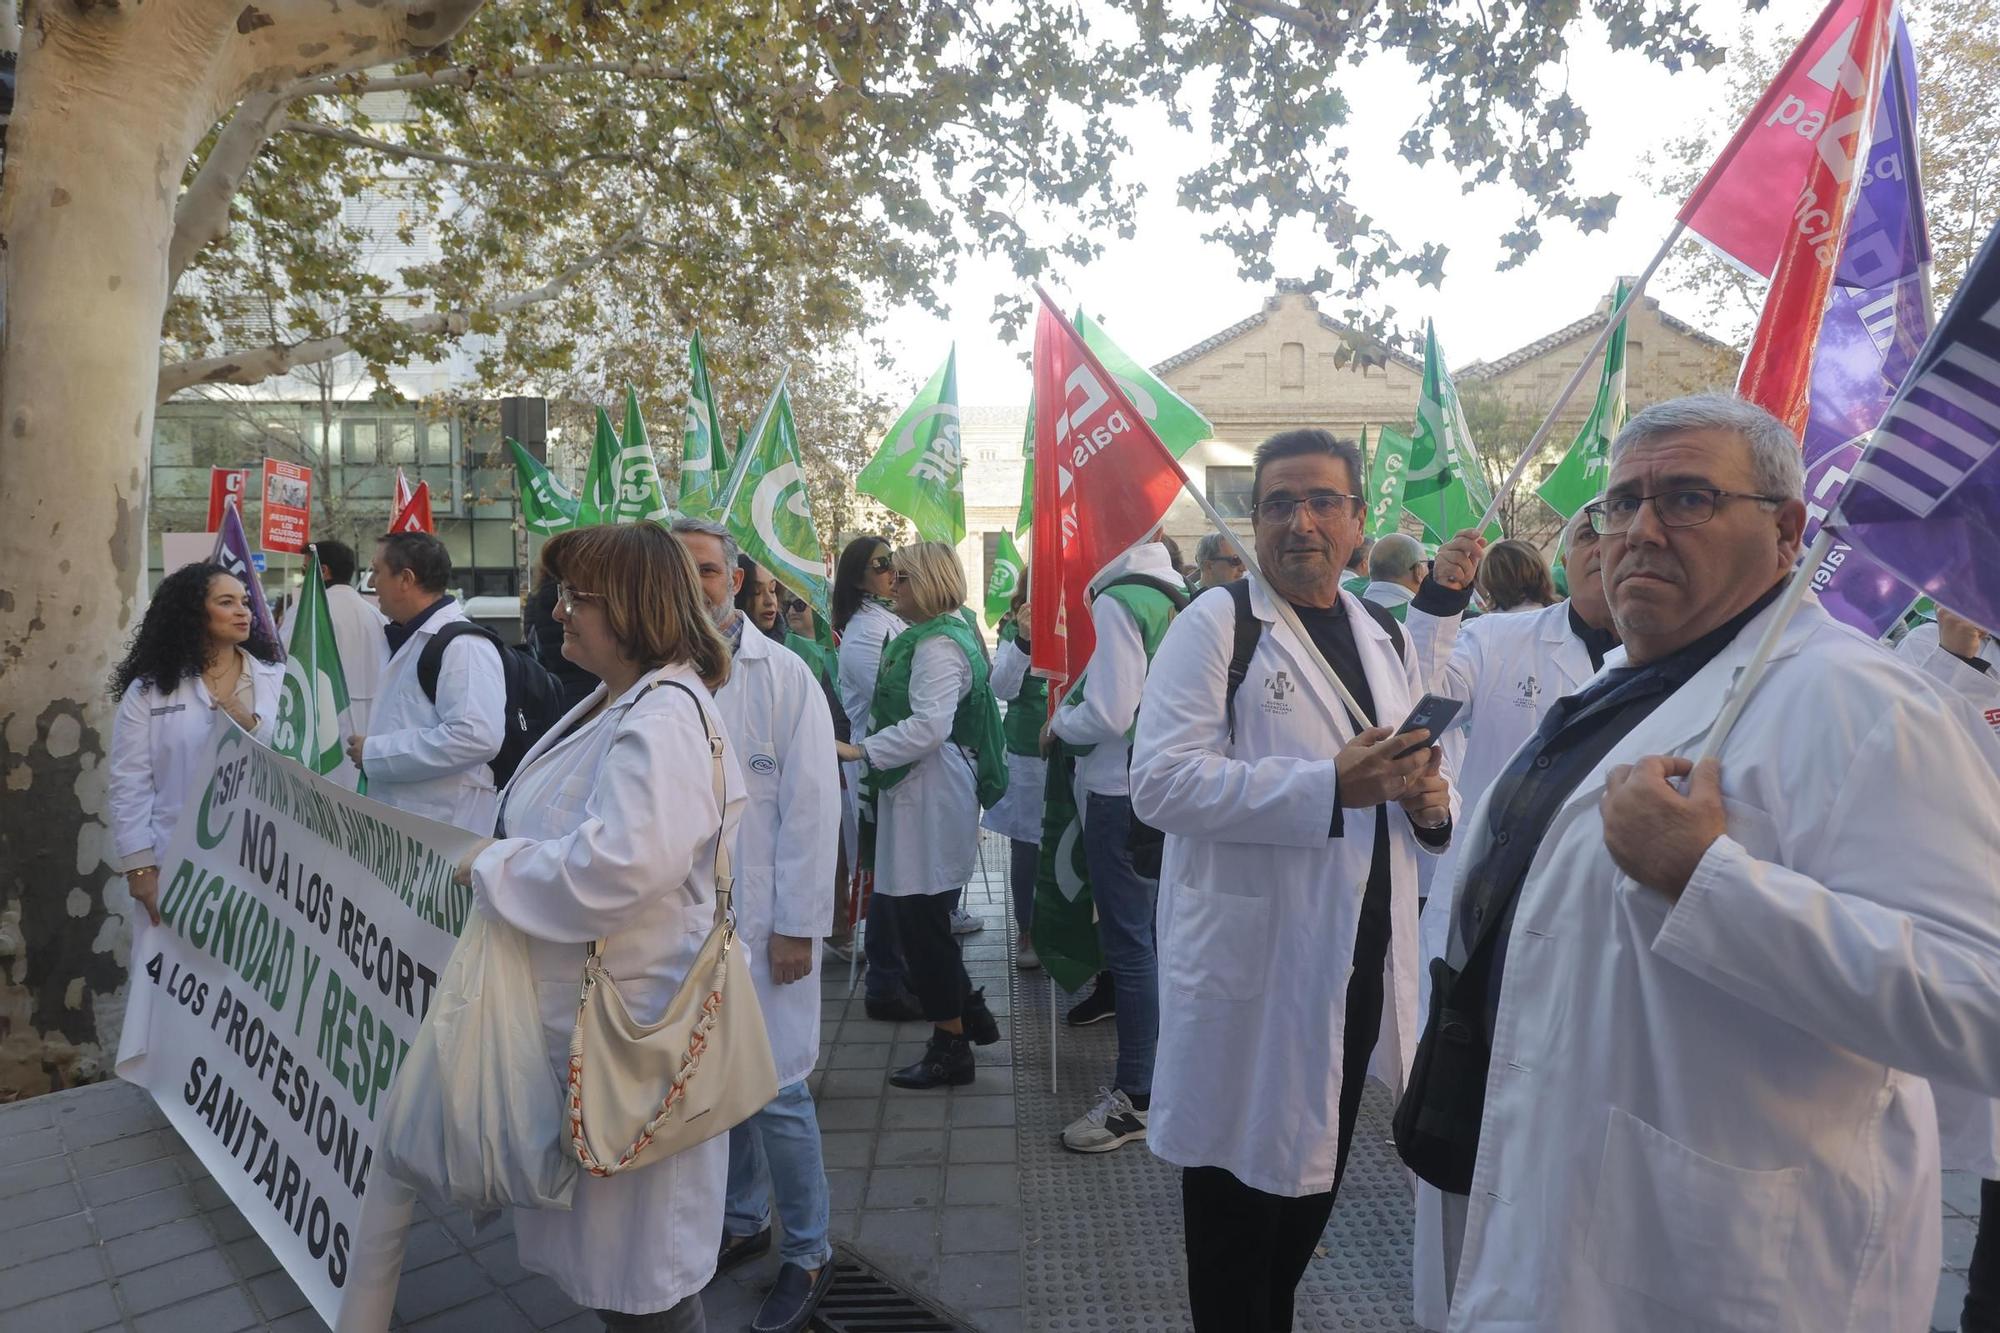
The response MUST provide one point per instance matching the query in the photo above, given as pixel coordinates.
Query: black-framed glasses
(567, 598)
(882, 564)
(795, 606)
(1323, 505)
(1687, 507)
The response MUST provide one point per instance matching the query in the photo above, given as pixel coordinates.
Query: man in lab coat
(431, 757)
(357, 629)
(1288, 901)
(1709, 997)
(1396, 569)
(778, 724)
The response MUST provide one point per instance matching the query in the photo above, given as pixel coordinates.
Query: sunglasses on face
(795, 607)
(882, 564)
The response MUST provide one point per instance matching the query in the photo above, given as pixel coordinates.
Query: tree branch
(346, 136)
(284, 41)
(202, 215)
(260, 364)
(464, 76)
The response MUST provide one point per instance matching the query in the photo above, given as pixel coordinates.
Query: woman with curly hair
(198, 650)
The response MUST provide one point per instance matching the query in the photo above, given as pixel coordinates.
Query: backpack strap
(431, 659)
(1177, 596)
(1387, 622)
(1249, 629)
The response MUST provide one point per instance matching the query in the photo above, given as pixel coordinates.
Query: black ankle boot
(981, 1028)
(946, 1062)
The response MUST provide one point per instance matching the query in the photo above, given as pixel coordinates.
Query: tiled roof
(1583, 328)
(1241, 327)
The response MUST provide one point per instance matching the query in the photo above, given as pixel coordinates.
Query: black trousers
(1247, 1250)
(931, 956)
(1982, 1279)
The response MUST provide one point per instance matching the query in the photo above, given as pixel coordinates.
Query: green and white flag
(599, 501)
(1065, 918)
(1171, 416)
(1444, 487)
(547, 506)
(1005, 578)
(918, 471)
(703, 461)
(1026, 518)
(311, 725)
(1386, 472)
(640, 495)
(766, 509)
(1580, 477)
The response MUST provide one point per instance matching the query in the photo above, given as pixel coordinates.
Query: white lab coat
(1258, 905)
(1968, 1123)
(1387, 595)
(782, 736)
(927, 825)
(868, 632)
(1018, 814)
(1712, 1113)
(434, 759)
(1114, 680)
(364, 650)
(611, 834)
(1509, 670)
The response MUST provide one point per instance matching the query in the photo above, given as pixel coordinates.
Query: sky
(1167, 288)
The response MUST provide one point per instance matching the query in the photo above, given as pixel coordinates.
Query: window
(1292, 366)
(357, 442)
(1229, 490)
(402, 442)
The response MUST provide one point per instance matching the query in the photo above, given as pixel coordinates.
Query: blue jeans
(886, 977)
(1125, 931)
(776, 1154)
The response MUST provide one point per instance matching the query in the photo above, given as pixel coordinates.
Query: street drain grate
(865, 1300)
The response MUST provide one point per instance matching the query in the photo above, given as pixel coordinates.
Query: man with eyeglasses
(1216, 562)
(1396, 569)
(1675, 1074)
(1288, 900)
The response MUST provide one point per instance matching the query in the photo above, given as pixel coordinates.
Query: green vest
(1028, 709)
(1152, 611)
(976, 726)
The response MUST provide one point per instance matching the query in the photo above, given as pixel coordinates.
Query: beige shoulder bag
(702, 1069)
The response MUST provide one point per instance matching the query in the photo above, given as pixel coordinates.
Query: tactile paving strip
(1101, 1235)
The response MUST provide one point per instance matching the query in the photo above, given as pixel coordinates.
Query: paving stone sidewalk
(107, 1221)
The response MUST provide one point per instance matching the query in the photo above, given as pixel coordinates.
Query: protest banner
(287, 506)
(226, 485)
(302, 932)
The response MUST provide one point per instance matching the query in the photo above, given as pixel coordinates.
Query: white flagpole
(1541, 435)
(1747, 678)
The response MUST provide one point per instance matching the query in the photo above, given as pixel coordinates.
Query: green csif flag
(1026, 518)
(1580, 477)
(704, 463)
(766, 510)
(546, 507)
(312, 700)
(1386, 472)
(1171, 416)
(1005, 578)
(918, 471)
(1444, 486)
(1065, 921)
(599, 501)
(640, 495)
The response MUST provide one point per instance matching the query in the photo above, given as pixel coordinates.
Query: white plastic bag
(475, 1118)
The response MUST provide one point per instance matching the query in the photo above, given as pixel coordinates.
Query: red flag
(226, 486)
(415, 515)
(1103, 482)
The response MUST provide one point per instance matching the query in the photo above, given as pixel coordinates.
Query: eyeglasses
(1326, 505)
(901, 578)
(882, 564)
(1234, 562)
(567, 598)
(1689, 508)
(795, 607)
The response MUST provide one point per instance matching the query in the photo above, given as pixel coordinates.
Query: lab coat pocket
(1704, 1238)
(567, 801)
(1218, 945)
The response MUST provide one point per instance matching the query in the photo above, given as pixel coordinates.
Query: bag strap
(430, 659)
(1249, 630)
(725, 880)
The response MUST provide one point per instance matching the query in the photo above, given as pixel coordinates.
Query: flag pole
(1747, 678)
(1541, 435)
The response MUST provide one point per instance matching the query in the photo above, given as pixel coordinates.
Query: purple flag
(232, 552)
(1925, 498)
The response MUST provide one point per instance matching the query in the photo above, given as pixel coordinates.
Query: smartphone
(1433, 713)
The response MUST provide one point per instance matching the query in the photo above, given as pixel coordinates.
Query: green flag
(640, 495)
(1386, 472)
(1172, 418)
(703, 462)
(1005, 578)
(1444, 486)
(312, 701)
(599, 500)
(918, 471)
(1579, 478)
(1025, 519)
(766, 509)
(546, 506)
(1065, 925)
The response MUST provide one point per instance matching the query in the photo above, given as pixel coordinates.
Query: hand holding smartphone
(1433, 713)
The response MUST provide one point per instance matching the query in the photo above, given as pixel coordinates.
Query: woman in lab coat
(608, 832)
(199, 652)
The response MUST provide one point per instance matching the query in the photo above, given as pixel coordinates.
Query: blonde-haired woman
(927, 804)
(608, 831)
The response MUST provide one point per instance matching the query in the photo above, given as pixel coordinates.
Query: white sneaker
(1111, 1124)
(1025, 957)
(964, 922)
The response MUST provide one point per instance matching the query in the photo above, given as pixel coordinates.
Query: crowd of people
(1676, 1045)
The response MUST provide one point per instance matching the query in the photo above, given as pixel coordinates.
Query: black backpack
(534, 696)
(1249, 629)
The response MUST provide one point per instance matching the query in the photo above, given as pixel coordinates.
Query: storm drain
(865, 1300)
